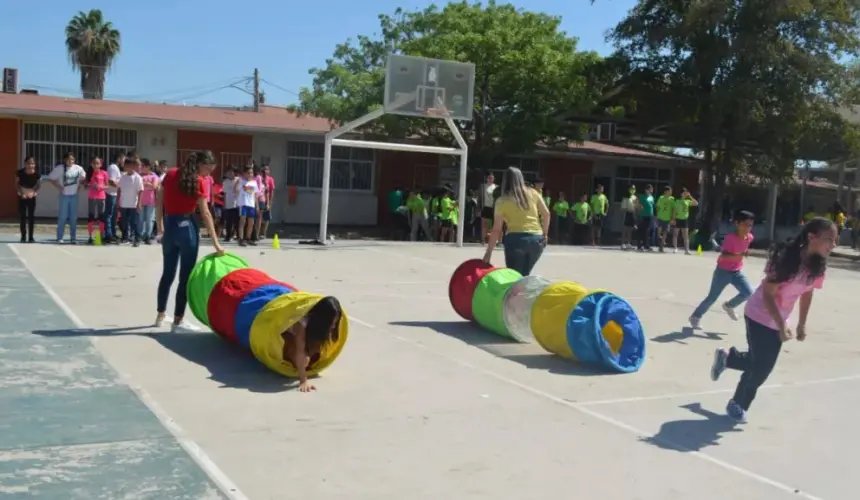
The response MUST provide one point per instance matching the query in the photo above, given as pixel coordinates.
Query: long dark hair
(786, 259)
(321, 317)
(188, 173)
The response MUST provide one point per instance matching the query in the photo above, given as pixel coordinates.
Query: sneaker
(184, 327)
(735, 412)
(253, 243)
(687, 252)
(730, 311)
(159, 320)
(135, 244)
(31, 240)
(695, 322)
(23, 239)
(719, 364)
(90, 241)
(242, 243)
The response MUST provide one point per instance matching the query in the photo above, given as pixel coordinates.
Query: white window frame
(47, 169)
(352, 162)
(530, 175)
(641, 182)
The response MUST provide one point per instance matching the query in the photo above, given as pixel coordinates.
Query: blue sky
(183, 51)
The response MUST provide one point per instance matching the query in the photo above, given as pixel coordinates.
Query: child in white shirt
(246, 190)
(130, 188)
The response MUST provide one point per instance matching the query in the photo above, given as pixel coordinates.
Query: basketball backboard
(419, 86)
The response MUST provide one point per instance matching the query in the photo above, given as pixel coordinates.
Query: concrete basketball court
(420, 405)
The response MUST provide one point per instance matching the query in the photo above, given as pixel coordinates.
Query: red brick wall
(559, 174)
(217, 142)
(405, 170)
(10, 161)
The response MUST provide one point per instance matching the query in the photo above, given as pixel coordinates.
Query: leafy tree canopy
(760, 81)
(527, 70)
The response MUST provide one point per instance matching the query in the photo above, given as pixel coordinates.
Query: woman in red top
(180, 193)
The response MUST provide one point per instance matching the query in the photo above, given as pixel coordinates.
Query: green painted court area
(69, 428)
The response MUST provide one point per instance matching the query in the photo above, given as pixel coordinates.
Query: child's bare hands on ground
(800, 333)
(785, 334)
(306, 386)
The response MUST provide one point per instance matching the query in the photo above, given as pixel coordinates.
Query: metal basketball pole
(331, 139)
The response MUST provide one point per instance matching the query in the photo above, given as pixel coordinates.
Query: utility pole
(256, 90)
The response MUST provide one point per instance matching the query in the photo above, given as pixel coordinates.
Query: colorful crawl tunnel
(594, 327)
(246, 306)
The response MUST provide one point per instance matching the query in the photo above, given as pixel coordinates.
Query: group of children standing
(242, 203)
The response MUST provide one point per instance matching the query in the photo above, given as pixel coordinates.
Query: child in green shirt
(448, 210)
(561, 209)
(665, 208)
(581, 220)
(417, 216)
(681, 216)
(599, 208)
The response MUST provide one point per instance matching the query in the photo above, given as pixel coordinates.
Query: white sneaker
(159, 320)
(695, 322)
(730, 311)
(687, 252)
(184, 327)
(675, 250)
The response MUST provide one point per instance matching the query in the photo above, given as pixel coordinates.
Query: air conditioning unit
(606, 132)
(10, 81)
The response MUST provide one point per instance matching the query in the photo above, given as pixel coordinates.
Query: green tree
(93, 45)
(527, 70)
(752, 80)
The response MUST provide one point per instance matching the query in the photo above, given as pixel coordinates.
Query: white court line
(599, 416)
(224, 483)
(684, 395)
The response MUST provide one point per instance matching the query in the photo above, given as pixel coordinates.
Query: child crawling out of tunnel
(307, 337)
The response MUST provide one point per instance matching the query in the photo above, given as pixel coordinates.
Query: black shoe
(253, 243)
(147, 241)
(243, 243)
(31, 240)
(135, 244)
(23, 239)
(90, 241)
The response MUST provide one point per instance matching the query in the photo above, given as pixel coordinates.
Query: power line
(165, 95)
(267, 82)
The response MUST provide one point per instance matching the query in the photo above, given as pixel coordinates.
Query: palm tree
(93, 45)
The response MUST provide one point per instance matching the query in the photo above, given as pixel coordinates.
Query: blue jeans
(522, 251)
(68, 213)
(129, 223)
(146, 221)
(179, 247)
(110, 216)
(719, 282)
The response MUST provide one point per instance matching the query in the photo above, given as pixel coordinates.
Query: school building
(47, 127)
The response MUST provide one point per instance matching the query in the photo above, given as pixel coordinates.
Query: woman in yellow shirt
(526, 215)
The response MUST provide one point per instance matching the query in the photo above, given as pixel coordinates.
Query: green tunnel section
(205, 275)
(488, 300)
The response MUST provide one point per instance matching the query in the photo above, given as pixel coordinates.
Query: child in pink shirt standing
(794, 271)
(146, 223)
(729, 270)
(96, 198)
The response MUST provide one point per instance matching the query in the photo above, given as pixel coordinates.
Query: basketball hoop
(436, 113)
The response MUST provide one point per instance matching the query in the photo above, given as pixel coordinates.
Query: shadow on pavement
(531, 356)
(693, 434)
(230, 365)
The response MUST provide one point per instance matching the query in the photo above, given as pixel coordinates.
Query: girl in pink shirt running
(794, 270)
(729, 270)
